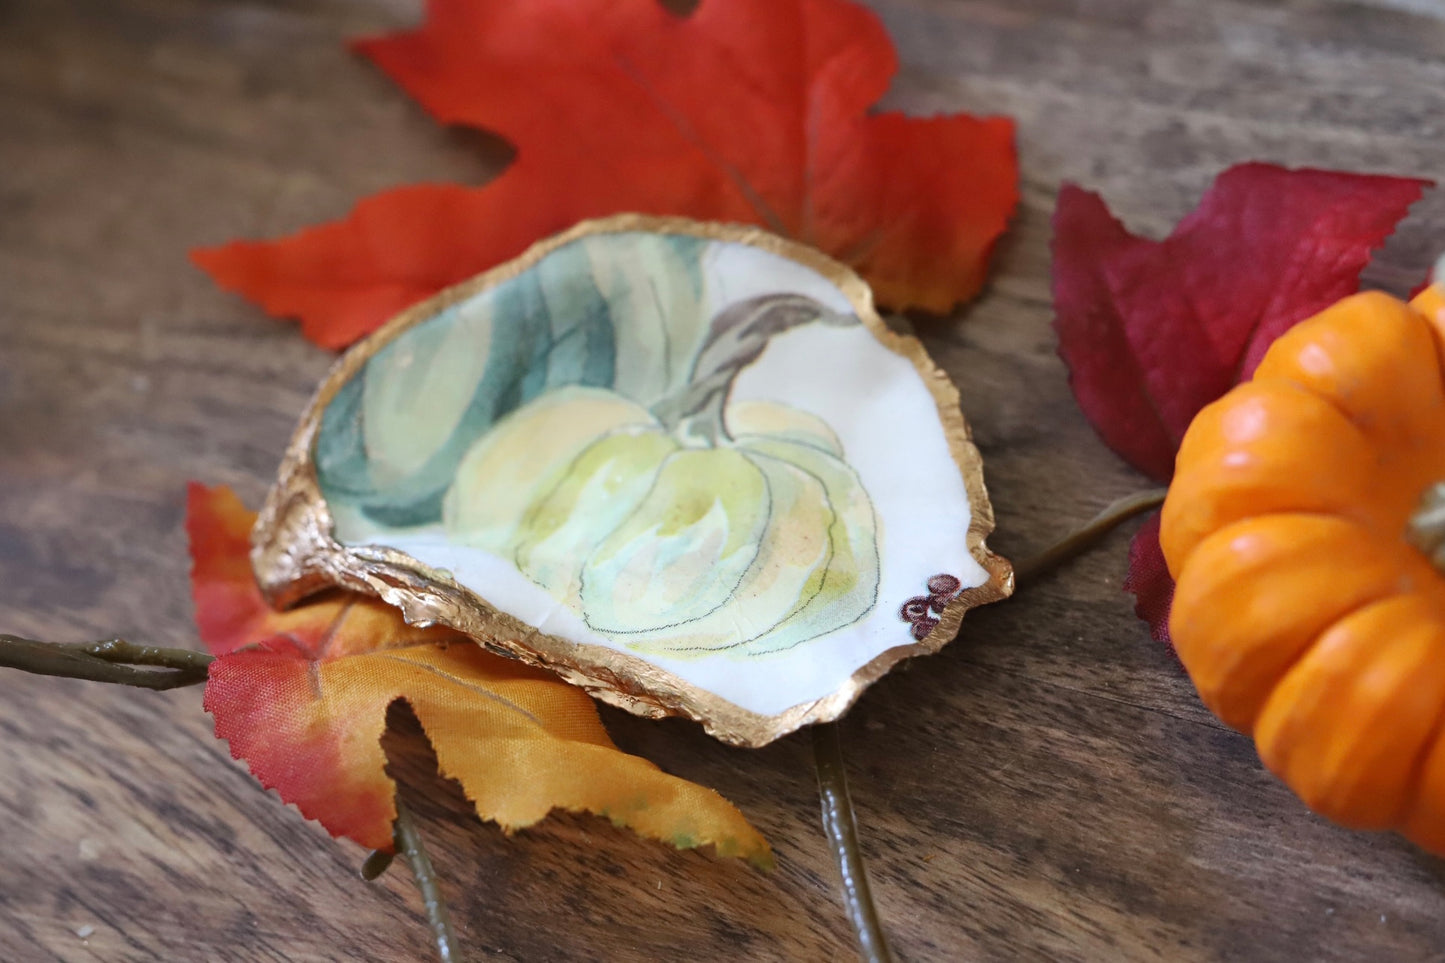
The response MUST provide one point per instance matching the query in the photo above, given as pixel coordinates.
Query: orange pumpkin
(1304, 527)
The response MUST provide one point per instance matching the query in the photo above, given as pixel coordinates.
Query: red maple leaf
(1152, 331)
(751, 111)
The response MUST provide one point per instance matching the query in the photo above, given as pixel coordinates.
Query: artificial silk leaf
(302, 698)
(231, 613)
(1149, 580)
(1152, 331)
(750, 111)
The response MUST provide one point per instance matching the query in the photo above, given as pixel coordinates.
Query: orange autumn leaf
(302, 695)
(751, 111)
(232, 613)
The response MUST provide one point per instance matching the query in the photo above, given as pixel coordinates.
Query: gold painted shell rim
(294, 554)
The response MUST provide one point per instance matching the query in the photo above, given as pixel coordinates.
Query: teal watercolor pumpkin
(602, 458)
(674, 542)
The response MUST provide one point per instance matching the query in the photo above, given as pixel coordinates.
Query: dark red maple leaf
(1149, 580)
(1152, 331)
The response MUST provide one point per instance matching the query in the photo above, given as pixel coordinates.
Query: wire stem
(153, 667)
(839, 823)
(409, 844)
(841, 828)
(1081, 540)
(109, 660)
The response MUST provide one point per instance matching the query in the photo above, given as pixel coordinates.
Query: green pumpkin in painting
(574, 420)
(667, 539)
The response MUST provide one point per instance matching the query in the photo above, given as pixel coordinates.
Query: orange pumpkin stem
(1426, 528)
(1431, 301)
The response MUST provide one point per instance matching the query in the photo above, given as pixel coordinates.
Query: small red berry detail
(915, 608)
(923, 626)
(945, 585)
(921, 609)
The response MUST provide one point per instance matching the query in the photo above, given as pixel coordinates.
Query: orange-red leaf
(302, 697)
(753, 111)
(231, 612)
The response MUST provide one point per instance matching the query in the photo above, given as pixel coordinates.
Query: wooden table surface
(1047, 788)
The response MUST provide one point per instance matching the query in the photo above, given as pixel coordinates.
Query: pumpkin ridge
(826, 564)
(1304, 740)
(1309, 646)
(1201, 502)
(549, 544)
(1369, 532)
(1336, 331)
(767, 498)
(856, 538)
(759, 567)
(573, 419)
(1328, 398)
(1372, 442)
(554, 483)
(1415, 781)
(1184, 562)
(745, 439)
(1188, 654)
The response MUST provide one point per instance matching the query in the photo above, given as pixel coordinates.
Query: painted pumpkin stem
(1426, 528)
(735, 339)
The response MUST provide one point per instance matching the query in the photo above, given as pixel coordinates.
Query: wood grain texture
(1047, 788)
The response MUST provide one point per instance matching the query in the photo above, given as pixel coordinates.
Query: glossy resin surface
(684, 464)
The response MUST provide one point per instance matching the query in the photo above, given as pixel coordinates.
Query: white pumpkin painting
(674, 463)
